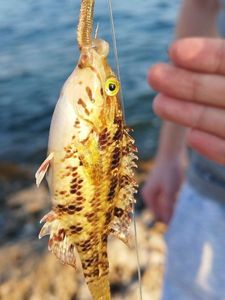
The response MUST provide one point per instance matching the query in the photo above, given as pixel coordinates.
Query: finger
(183, 84)
(166, 209)
(209, 145)
(151, 195)
(199, 54)
(189, 114)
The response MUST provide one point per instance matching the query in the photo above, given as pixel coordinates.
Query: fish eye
(112, 86)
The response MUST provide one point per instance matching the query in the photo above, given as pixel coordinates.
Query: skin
(197, 102)
(90, 164)
(190, 100)
(90, 176)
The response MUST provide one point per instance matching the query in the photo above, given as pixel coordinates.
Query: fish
(90, 163)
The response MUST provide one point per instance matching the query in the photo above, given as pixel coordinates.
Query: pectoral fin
(40, 174)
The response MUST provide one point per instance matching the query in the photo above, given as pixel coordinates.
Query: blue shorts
(195, 266)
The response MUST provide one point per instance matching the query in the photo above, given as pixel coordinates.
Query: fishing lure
(90, 163)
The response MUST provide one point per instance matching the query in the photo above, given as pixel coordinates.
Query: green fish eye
(112, 86)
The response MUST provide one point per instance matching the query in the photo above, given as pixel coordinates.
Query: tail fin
(100, 289)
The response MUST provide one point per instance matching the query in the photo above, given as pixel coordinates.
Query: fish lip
(86, 58)
(101, 47)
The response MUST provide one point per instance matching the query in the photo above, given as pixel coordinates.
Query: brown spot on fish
(125, 180)
(76, 229)
(79, 208)
(85, 243)
(83, 104)
(74, 180)
(71, 248)
(89, 92)
(115, 158)
(103, 139)
(108, 217)
(73, 191)
(111, 195)
(80, 82)
(112, 190)
(101, 91)
(60, 206)
(69, 155)
(104, 238)
(118, 120)
(90, 216)
(96, 72)
(118, 135)
(64, 209)
(95, 257)
(71, 207)
(77, 124)
(73, 186)
(118, 212)
(96, 272)
(62, 192)
(114, 182)
(61, 234)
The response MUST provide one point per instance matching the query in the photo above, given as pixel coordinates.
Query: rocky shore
(29, 272)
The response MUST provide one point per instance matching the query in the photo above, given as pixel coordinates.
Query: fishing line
(116, 53)
(122, 102)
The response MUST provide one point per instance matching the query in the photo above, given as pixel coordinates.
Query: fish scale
(90, 164)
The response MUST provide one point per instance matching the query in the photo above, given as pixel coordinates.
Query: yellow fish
(90, 161)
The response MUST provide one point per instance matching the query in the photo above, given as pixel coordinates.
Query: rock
(13, 177)
(10, 172)
(30, 200)
(29, 271)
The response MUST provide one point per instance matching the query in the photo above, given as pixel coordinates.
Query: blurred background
(38, 51)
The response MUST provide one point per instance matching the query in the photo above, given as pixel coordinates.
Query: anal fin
(40, 174)
(60, 242)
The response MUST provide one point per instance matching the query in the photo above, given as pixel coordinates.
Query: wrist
(164, 156)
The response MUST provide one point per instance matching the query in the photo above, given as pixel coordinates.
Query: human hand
(161, 187)
(192, 93)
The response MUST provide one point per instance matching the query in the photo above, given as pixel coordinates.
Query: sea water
(38, 51)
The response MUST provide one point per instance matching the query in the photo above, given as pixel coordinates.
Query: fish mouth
(87, 58)
(101, 46)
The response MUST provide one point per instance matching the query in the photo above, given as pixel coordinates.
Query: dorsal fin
(123, 210)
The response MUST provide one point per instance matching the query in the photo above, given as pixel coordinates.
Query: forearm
(196, 18)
